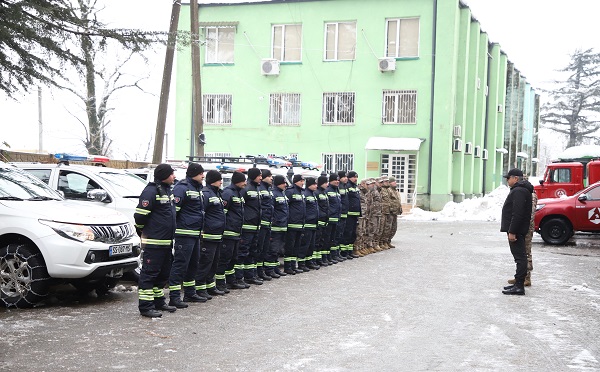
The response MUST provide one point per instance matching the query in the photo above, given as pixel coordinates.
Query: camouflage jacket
(386, 200)
(374, 200)
(395, 205)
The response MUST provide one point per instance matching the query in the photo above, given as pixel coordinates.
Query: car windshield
(125, 184)
(16, 184)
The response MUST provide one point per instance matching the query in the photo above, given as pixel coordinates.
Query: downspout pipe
(486, 120)
(431, 112)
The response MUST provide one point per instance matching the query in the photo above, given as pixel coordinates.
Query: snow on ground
(486, 208)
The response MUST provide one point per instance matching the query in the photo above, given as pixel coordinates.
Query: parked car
(46, 239)
(109, 187)
(557, 219)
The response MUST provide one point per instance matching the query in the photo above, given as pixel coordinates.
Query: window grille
(340, 41)
(217, 109)
(399, 107)
(338, 108)
(402, 39)
(219, 44)
(287, 43)
(285, 109)
(337, 162)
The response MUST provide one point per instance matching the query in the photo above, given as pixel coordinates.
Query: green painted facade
(456, 66)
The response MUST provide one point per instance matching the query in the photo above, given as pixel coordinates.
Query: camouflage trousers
(385, 228)
(528, 239)
(373, 230)
(361, 233)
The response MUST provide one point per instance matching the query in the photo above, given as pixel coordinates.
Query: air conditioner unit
(478, 83)
(468, 148)
(387, 64)
(457, 131)
(269, 67)
(457, 145)
(477, 153)
(500, 108)
(484, 155)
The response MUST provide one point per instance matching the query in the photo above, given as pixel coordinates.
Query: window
(75, 185)
(594, 194)
(399, 107)
(340, 41)
(561, 175)
(219, 44)
(402, 37)
(217, 109)
(42, 174)
(338, 108)
(285, 109)
(287, 43)
(337, 162)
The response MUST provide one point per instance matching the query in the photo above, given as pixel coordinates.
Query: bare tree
(574, 108)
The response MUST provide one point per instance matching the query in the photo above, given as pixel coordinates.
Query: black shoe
(176, 301)
(340, 258)
(254, 281)
(204, 293)
(194, 298)
(165, 307)
(289, 271)
(264, 276)
(354, 255)
(243, 282)
(279, 272)
(223, 288)
(273, 275)
(514, 291)
(214, 291)
(298, 270)
(151, 313)
(509, 286)
(323, 263)
(236, 285)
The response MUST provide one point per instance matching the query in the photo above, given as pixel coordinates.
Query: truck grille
(113, 233)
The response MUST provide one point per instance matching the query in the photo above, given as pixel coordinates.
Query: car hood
(64, 211)
(547, 201)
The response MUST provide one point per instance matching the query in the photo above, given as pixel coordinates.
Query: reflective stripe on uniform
(187, 232)
(156, 241)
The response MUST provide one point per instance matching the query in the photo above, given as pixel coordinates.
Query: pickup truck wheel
(24, 279)
(556, 231)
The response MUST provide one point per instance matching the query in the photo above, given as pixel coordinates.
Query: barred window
(217, 109)
(337, 162)
(402, 37)
(399, 107)
(338, 108)
(219, 44)
(284, 109)
(287, 43)
(340, 41)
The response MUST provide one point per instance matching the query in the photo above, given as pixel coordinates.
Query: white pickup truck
(46, 239)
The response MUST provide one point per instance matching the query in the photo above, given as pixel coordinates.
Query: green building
(409, 88)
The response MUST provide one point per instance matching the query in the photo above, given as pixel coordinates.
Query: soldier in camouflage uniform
(360, 246)
(374, 216)
(528, 239)
(395, 209)
(386, 223)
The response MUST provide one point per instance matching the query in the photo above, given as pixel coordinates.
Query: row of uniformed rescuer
(270, 220)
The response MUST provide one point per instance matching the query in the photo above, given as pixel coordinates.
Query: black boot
(279, 272)
(204, 293)
(165, 307)
(223, 288)
(514, 290)
(236, 285)
(194, 298)
(253, 280)
(264, 276)
(214, 291)
(273, 274)
(176, 301)
(151, 313)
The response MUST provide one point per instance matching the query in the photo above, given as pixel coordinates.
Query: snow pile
(487, 208)
(579, 152)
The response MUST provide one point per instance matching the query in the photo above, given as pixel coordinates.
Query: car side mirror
(98, 195)
(542, 182)
(582, 197)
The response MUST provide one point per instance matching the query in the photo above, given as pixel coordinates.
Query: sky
(537, 35)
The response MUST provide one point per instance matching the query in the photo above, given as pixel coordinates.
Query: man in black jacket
(516, 213)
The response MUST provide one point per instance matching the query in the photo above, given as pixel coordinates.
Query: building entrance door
(403, 168)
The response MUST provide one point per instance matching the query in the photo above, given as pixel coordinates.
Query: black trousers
(293, 238)
(247, 254)
(186, 253)
(156, 268)
(339, 234)
(227, 260)
(207, 264)
(350, 232)
(272, 254)
(307, 246)
(517, 248)
(263, 244)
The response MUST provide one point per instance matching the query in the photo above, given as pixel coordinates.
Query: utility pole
(197, 91)
(40, 126)
(166, 84)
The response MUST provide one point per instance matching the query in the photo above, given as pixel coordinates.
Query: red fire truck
(567, 178)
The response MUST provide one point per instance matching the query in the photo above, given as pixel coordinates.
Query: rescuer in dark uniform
(354, 212)
(155, 221)
(278, 228)
(248, 251)
(295, 198)
(266, 214)
(307, 246)
(335, 210)
(320, 236)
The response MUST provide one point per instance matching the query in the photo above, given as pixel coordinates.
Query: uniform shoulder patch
(145, 203)
(177, 199)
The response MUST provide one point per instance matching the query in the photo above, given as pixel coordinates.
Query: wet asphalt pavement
(432, 304)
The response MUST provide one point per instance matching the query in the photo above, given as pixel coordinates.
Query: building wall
(450, 76)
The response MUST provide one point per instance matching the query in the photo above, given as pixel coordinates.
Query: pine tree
(574, 107)
(38, 39)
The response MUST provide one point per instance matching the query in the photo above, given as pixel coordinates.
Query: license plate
(116, 250)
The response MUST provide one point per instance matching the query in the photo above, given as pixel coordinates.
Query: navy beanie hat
(266, 173)
(297, 177)
(334, 177)
(237, 177)
(253, 173)
(342, 174)
(310, 181)
(321, 180)
(352, 174)
(163, 171)
(213, 176)
(193, 170)
(278, 180)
